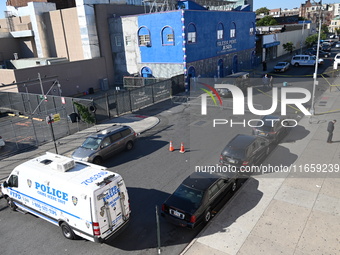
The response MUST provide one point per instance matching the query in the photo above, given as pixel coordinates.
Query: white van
(304, 60)
(84, 199)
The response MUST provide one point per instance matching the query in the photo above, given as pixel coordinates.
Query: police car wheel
(11, 204)
(67, 231)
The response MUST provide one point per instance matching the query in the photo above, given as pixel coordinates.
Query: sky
(290, 4)
(257, 4)
(2, 8)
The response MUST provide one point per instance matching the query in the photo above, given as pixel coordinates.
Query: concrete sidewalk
(285, 213)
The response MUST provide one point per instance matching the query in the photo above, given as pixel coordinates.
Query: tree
(324, 28)
(310, 40)
(289, 47)
(264, 10)
(84, 113)
(266, 21)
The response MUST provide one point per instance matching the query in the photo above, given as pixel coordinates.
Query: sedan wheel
(207, 216)
(234, 187)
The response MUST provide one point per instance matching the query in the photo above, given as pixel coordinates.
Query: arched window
(168, 36)
(146, 72)
(191, 33)
(144, 38)
(233, 30)
(220, 31)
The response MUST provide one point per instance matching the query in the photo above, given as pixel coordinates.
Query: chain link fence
(25, 122)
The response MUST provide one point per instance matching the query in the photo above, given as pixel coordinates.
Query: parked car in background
(245, 150)
(272, 128)
(337, 45)
(2, 142)
(240, 79)
(106, 143)
(337, 58)
(305, 60)
(198, 197)
(281, 66)
(326, 47)
(313, 52)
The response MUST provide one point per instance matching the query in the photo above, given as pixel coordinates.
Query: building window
(144, 40)
(118, 40)
(220, 31)
(168, 36)
(144, 37)
(128, 40)
(191, 33)
(233, 30)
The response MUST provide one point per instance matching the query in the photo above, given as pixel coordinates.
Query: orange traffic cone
(182, 150)
(171, 148)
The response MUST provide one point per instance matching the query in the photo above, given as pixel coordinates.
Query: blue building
(190, 40)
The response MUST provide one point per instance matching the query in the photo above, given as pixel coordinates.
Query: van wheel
(296, 64)
(207, 216)
(11, 204)
(67, 231)
(98, 161)
(129, 146)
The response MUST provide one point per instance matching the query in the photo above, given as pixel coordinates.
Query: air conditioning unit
(62, 164)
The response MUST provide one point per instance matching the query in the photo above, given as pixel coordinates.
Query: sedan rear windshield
(234, 152)
(91, 143)
(192, 195)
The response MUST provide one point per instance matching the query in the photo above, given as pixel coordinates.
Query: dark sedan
(245, 151)
(197, 198)
(274, 128)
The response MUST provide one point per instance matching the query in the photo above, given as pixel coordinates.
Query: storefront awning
(272, 44)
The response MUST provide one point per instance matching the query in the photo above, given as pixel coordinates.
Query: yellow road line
(264, 93)
(337, 110)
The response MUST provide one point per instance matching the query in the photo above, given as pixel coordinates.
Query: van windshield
(91, 143)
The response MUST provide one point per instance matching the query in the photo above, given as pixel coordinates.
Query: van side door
(105, 148)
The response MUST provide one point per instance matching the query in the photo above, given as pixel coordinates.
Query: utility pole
(315, 75)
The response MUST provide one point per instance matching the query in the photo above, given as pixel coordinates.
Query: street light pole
(315, 75)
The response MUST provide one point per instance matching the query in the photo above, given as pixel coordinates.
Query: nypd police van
(84, 199)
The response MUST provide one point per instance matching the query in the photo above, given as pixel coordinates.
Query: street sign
(56, 117)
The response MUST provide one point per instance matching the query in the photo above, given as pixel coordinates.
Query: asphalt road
(151, 173)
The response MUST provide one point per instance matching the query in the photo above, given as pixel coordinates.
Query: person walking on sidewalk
(271, 81)
(330, 129)
(265, 80)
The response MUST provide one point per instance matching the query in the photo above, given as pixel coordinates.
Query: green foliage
(324, 29)
(266, 21)
(310, 40)
(84, 113)
(289, 47)
(264, 10)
